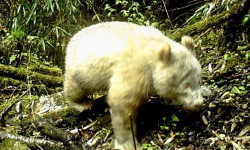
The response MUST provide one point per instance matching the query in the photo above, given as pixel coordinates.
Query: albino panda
(131, 62)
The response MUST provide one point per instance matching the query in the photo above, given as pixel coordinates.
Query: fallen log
(53, 71)
(56, 134)
(48, 144)
(70, 115)
(13, 144)
(22, 74)
(50, 130)
(6, 84)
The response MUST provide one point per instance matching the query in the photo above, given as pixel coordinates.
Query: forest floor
(222, 123)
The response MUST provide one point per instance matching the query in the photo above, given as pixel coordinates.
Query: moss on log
(32, 141)
(22, 74)
(35, 88)
(51, 130)
(236, 10)
(53, 71)
(13, 144)
(9, 82)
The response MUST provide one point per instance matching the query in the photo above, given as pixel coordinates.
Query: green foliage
(12, 58)
(148, 146)
(164, 128)
(169, 123)
(13, 144)
(246, 19)
(136, 12)
(247, 55)
(244, 51)
(226, 57)
(221, 147)
(39, 27)
(208, 9)
(238, 90)
(43, 28)
(175, 118)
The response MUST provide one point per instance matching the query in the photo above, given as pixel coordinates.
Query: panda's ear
(188, 42)
(164, 52)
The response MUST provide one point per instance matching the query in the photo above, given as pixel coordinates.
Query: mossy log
(55, 133)
(53, 71)
(22, 74)
(70, 116)
(35, 88)
(13, 144)
(235, 12)
(50, 130)
(32, 141)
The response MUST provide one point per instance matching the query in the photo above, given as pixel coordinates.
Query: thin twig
(15, 90)
(167, 14)
(39, 147)
(7, 3)
(44, 88)
(237, 107)
(203, 34)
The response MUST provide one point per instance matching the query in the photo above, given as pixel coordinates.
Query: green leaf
(222, 147)
(175, 118)
(240, 48)
(247, 55)
(117, 2)
(210, 36)
(24, 54)
(236, 90)
(174, 124)
(226, 57)
(12, 58)
(107, 7)
(164, 118)
(164, 128)
(242, 88)
(30, 38)
(245, 20)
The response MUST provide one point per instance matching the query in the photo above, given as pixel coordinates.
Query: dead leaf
(84, 134)
(244, 141)
(244, 131)
(168, 141)
(39, 107)
(89, 125)
(233, 126)
(159, 140)
(204, 119)
(172, 134)
(235, 145)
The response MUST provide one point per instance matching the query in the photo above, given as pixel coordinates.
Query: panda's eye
(187, 86)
